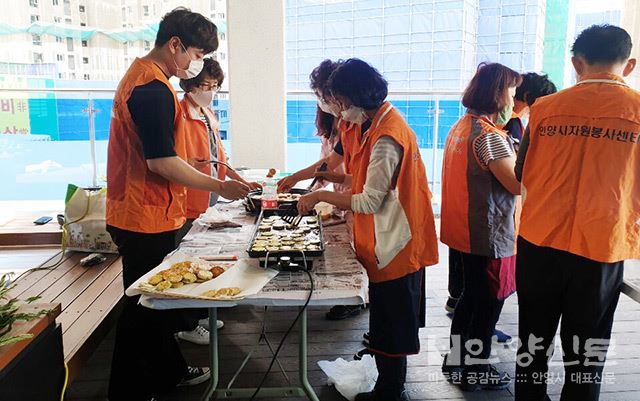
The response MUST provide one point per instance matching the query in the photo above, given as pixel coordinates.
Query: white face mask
(354, 115)
(192, 71)
(201, 98)
(328, 108)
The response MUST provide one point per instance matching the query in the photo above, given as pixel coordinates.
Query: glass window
(37, 58)
(70, 44)
(84, 43)
(85, 60)
(55, 2)
(72, 62)
(145, 11)
(35, 18)
(36, 39)
(33, 3)
(81, 9)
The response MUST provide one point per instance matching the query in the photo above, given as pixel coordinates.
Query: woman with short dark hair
(394, 230)
(479, 191)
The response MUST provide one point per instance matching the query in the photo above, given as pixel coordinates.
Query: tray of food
(276, 237)
(183, 276)
(254, 199)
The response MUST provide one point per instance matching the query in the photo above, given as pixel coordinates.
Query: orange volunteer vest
(581, 175)
(413, 194)
(199, 148)
(139, 200)
(478, 212)
(350, 139)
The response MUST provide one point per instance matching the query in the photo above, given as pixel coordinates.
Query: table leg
(213, 355)
(304, 380)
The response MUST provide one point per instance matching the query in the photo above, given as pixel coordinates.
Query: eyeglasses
(209, 87)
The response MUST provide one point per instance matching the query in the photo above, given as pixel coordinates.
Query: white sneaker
(198, 336)
(205, 323)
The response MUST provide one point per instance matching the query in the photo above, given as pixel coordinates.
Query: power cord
(63, 246)
(286, 334)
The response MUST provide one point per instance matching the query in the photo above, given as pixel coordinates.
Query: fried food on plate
(222, 292)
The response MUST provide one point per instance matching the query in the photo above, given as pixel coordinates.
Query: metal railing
(91, 94)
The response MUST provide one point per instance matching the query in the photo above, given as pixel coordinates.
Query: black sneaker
(378, 396)
(358, 356)
(340, 312)
(195, 376)
(485, 379)
(453, 373)
(451, 304)
(366, 339)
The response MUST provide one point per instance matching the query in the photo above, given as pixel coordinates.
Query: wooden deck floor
(330, 340)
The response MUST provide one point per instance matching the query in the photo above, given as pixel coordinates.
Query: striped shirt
(213, 197)
(490, 147)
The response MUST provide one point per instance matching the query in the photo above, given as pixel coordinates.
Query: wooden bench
(89, 296)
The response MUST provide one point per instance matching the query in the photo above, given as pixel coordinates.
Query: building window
(36, 39)
(72, 75)
(55, 2)
(35, 18)
(33, 3)
(67, 7)
(221, 15)
(85, 60)
(61, 75)
(86, 77)
(81, 9)
(57, 20)
(59, 39)
(37, 58)
(222, 56)
(223, 36)
(84, 43)
(212, 5)
(70, 44)
(72, 62)
(59, 57)
(67, 21)
(145, 11)
(83, 24)
(147, 45)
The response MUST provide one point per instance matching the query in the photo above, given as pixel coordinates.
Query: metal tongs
(290, 213)
(218, 162)
(323, 167)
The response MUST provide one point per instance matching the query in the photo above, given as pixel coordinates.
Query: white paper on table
(244, 274)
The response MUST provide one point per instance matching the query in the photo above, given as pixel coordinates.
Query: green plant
(9, 313)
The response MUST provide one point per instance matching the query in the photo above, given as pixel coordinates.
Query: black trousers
(396, 312)
(146, 357)
(456, 279)
(477, 312)
(551, 285)
(183, 231)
